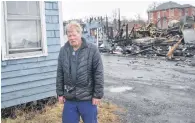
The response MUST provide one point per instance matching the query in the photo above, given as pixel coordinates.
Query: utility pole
(119, 21)
(106, 26)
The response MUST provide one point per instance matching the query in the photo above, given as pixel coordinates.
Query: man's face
(74, 37)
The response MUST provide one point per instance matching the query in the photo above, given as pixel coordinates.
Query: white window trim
(62, 40)
(44, 52)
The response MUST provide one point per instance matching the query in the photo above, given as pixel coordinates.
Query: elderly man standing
(80, 77)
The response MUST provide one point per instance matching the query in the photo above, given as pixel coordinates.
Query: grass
(52, 114)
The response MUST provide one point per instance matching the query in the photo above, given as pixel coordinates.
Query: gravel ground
(152, 90)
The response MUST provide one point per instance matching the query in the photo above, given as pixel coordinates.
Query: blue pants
(73, 110)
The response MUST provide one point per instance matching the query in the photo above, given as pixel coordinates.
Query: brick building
(168, 11)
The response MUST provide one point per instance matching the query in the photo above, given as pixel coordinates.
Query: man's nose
(70, 37)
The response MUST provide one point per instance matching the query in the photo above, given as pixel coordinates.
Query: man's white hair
(74, 25)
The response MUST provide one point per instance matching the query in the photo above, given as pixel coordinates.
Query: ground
(51, 112)
(152, 90)
(145, 90)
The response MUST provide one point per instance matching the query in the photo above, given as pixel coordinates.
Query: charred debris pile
(177, 40)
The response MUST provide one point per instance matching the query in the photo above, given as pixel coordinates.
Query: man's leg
(88, 111)
(70, 112)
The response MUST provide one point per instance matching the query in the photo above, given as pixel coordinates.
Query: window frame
(164, 13)
(158, 15)
(186, 12)
(171, 12)
(4, 37)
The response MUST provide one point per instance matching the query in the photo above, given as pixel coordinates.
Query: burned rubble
(176, 41)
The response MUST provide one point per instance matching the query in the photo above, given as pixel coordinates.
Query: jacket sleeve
(60, 77)
(98, 73)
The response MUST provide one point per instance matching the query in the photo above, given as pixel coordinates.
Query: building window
(164, 14)
(158, 14)
(186, 11)
(151, 15)
(84, 28)
(159, 24)
(93, 32)
(171, 12)
(165, 25)
(24, 29)
(180, 12)
(193, 11)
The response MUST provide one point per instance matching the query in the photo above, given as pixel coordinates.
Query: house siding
(30, 79)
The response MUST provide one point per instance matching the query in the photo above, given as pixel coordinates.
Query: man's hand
(95, 101)
(61, 99)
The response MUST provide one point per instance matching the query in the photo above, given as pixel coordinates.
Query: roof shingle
(170, 5)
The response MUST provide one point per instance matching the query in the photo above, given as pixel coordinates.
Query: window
(180, 12)
(150, 16)
(165, 25)
(158, 14)
(171, 12)
(164, 14)
(159, 24)
(193, 11)
(84, 28)
(186, 11)
(24, 29)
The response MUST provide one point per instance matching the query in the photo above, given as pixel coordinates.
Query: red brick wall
(189, 11)
(177, 14)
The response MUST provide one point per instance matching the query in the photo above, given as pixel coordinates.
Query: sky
(74, 9)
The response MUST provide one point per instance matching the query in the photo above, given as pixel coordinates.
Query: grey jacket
(90, 76)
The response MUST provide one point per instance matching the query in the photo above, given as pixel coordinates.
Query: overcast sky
(82, 8)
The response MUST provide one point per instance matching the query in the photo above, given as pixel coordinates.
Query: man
(80, 78)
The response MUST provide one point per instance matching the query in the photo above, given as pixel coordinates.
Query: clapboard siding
(51, 56)
(53, 41)
(27, 92)
(20, 73)
(27, 99)
(30, 79)
(27, 85)
(25, 66)
(53, 48)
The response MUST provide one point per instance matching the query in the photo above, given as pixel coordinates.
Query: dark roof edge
(171, 8)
